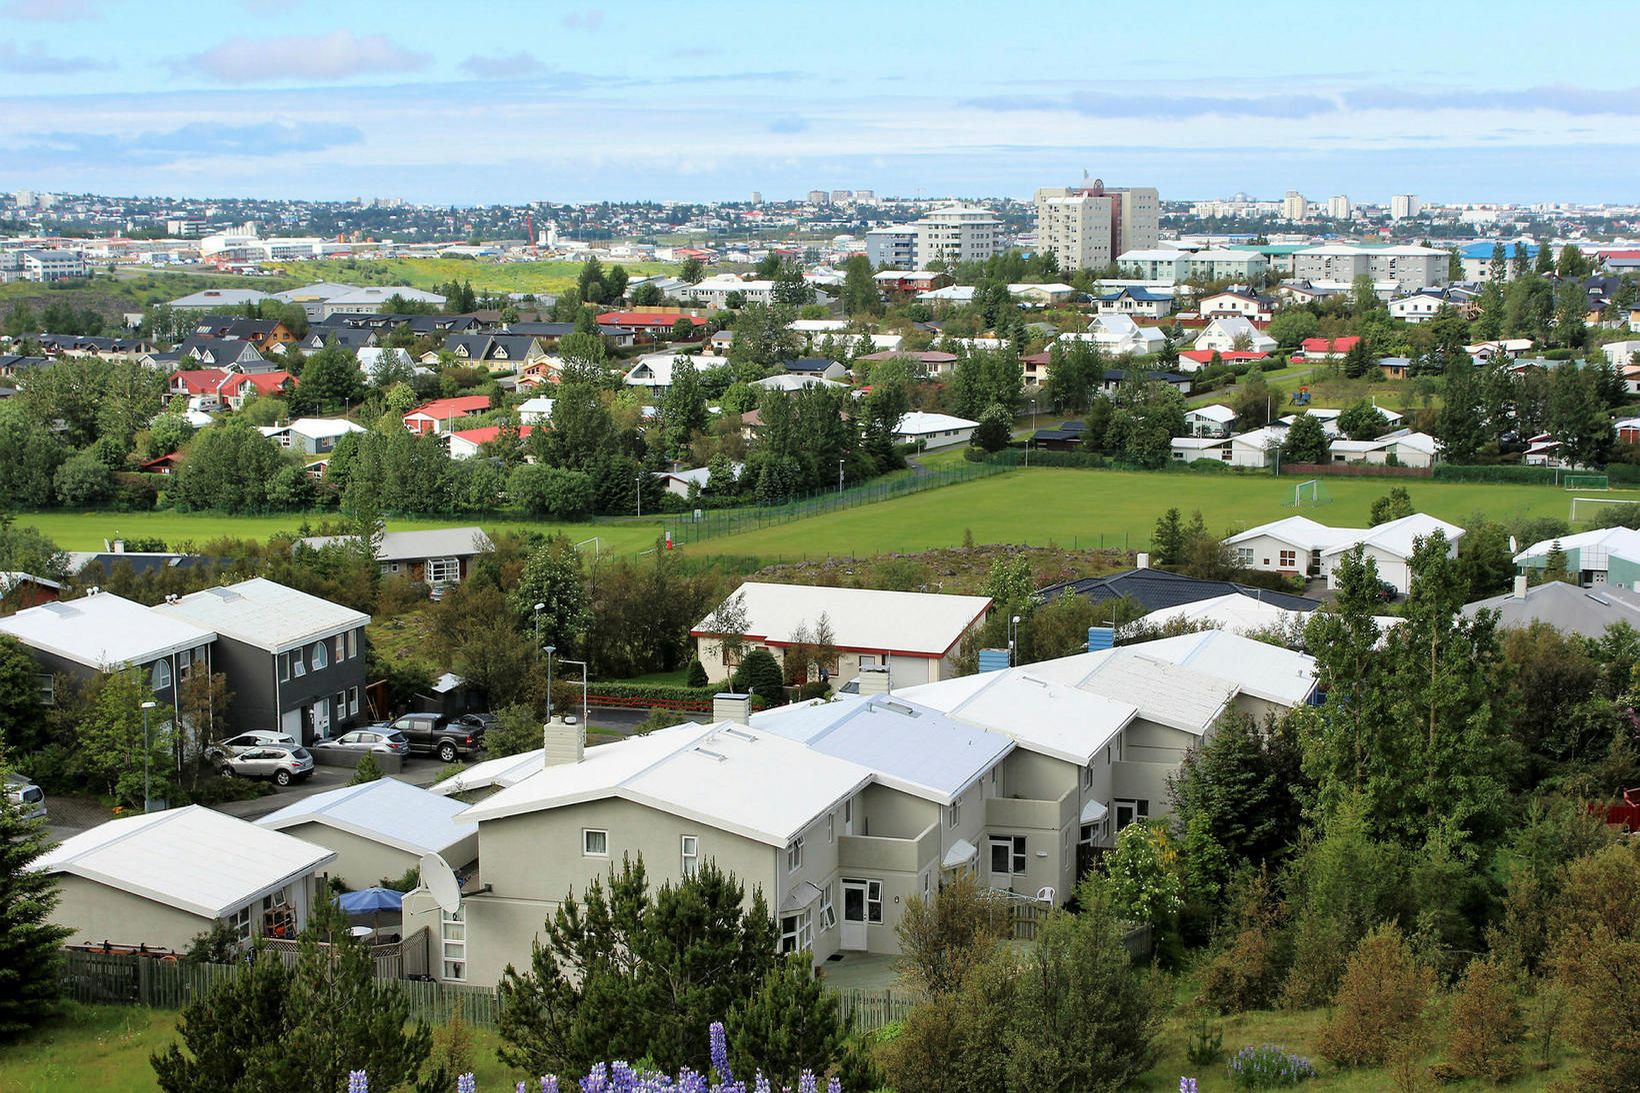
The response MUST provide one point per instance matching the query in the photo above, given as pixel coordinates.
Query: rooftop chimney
(1520, 587)
(732, 707)
(874, 681)
(1142, 561)
(564, 741)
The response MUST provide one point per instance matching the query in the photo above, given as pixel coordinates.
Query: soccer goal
(1585, 482)
(1312, 492)
(1594, 508)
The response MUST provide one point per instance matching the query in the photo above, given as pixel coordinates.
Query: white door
(291, 724)
(854, 915)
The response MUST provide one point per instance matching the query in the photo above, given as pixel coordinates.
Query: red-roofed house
(238, 387)
(218, 386)
(466, 443)
(1323, 349)
(198, 381)
(165, 464)
(1203, 356)
(647, 321)
(436, 416)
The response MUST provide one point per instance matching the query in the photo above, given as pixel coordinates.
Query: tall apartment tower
(1404, 206)
(1294, 207)
(1339, 207)
(1089, 226)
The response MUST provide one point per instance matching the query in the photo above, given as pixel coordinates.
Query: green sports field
(1072, 508)
(1116, 509)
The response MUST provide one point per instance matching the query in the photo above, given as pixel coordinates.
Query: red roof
(1335, 345)
(485, 434)
(200, 381)
(646, 318)
(265, 383)
(164, 462)
(446, 408)
(1202, 356)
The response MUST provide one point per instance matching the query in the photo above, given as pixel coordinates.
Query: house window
(594, 843)
(1087, 772)
(352, 644)
(874, 901)
(1128, 812)
(341, 648)
(162, 675)
(240, 923)
(955, 811)
(298, 662)
(828, 913)
(352, 701)
(284, 667)
(321, 656)
(1289, 559)
(831, 827)
(1244, 557)
(443, 570)
(452, 932)
(690, 845)
(796, 933)
(1008, 855)
(47, 684)
(794, 855)
(341, 705)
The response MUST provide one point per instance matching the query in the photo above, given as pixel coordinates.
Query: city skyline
(570, 102)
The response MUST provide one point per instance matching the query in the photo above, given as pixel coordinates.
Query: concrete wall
(360, 862)
(98, 913)
(903, 671)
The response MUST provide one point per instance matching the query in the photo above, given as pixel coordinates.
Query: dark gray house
(295, 661)
(102, 632)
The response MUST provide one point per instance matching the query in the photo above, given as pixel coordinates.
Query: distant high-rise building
(865, 197)
(1404, 206)
(757, 197)
(1294, 207)
(954, 233)
(839, 197)
(1339, 207)
(819, 197)
(1089, 226)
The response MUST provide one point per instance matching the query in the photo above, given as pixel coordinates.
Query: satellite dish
(438, 879)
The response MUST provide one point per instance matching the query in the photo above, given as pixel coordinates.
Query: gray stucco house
(296, 662)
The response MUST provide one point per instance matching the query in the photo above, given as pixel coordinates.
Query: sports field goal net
(1591, 510)
(1312, 492)
(1585, 482)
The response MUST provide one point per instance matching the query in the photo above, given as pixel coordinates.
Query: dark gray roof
(1155, 589)
(1586, 611)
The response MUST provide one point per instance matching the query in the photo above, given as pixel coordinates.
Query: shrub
(1206, 1043)
(1247, 974)
(695, 675)
(1268, 1067)
(1379, 1002)
(367, 770)
(1485, 1026)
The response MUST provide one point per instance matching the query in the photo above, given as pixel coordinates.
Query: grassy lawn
(429, 273)
(87, 530)
(1081, 508)
(105, 1049)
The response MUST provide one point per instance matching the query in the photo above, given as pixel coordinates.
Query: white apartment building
(42, 265)
(1339, 207)
(1294, 207)
(1089, 226)
(1404, 206)
(954, 233)
(1409, 268)
(892, 248)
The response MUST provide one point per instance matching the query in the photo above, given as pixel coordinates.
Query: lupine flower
(761, 1084)
(1187, 1085)
(720, 1051)
(806, 1083)
(520, 1088)
(466, 1084)
(834, 1084)
(358, 1082)
(549, 1083)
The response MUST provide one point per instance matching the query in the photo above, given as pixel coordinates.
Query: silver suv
(283, 764)
(24, 793)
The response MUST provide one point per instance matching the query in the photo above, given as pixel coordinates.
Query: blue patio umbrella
(370, 901)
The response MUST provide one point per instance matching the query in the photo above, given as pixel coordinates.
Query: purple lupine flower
(597, 1081)
(520, 1088)
(720, 1051)
(358, 1082)
(549, 1083)
(761, 1084)
(834, 1084)
(806, 1083)
(1187, 1085)
(690, 1082)
(466, 1083)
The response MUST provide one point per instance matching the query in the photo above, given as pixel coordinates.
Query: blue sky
(501, 101)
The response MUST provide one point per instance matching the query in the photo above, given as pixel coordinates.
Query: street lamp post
(147, 757)
(1013, 640)
(586, 713)
(839, 476)
(639, 488)
(551, 649)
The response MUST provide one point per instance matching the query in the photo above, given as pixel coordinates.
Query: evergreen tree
(1306, 441)
(683, 407)
(693, 271)
(860, 295)
(1459, 424)
(29, 977)
(1168, 539)
(1391, 506)
(792, 1024)
(1358, 360)
(1544, 262)
(1577, 415)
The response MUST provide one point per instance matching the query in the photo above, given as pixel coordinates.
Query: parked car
(435, 733)
(256, 738)
(25, 793)
(363, 740)
(283, 765)
(478, 722)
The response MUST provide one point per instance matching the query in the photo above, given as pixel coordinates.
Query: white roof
(265, 614)
(1299, 531)
(1260, 669)
(1198, 443)
(1612, 540)
(816, 326)
(319, 427)
(540, 404)
(911, 623)
(1055, 719)
(222, 297)
(200, 861)
(1418, 442)
(1151, 255)
(1213, 412)
(1234, 611)
(376, 294)
(1399, 537)
(503, 771)
(104, 631)
(386, 811)
(740, 779)
(787, 381)
(409, 546)
(1181, 698)
(1264, 438)
(319, 290)
(908, 746)
(920, 423)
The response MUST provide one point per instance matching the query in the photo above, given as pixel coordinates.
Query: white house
(1118, 334)
(1257, 447)
(1213, 420)
(1420, 307)
(1229, 332)
(934, 430)
(1247, 305)
(379, 830)
(1390, 546)
(654, 371)
(1621, 354)
(535, 411)
(1137, 300)
(1293, 546)
(1409, 449)
(1188, 449)
(679, 483)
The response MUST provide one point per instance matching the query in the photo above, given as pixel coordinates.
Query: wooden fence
(872, 1010)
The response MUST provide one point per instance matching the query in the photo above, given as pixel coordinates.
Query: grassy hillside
(429, 273)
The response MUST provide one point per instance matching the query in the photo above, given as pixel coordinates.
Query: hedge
(1495, 472)
(653, 692)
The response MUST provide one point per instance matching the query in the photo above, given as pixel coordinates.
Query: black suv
(436, 734)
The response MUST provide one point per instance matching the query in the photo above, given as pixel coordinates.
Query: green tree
(1145, 884)
(1577, 415)
(996, 429)
(691, 951)
(881, 412)
(791, 1024)
(1306, 441)
(693, 271)
(1167, 541)
(32, 978)
(1460, 425)
(1358, 360)
(1362, 420)
(1145, 417)
(552, 492)
(330, 379)
(83, 480)
(1391, 506)
(760, 674)
(860, 295)
(109, 739)
(1292, 326)
(1075, 371)
(1247, 786)
(648, 294)
(552, 577)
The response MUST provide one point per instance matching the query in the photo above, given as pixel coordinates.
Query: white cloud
(50, 11)
(296, 57)
(35, 61)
